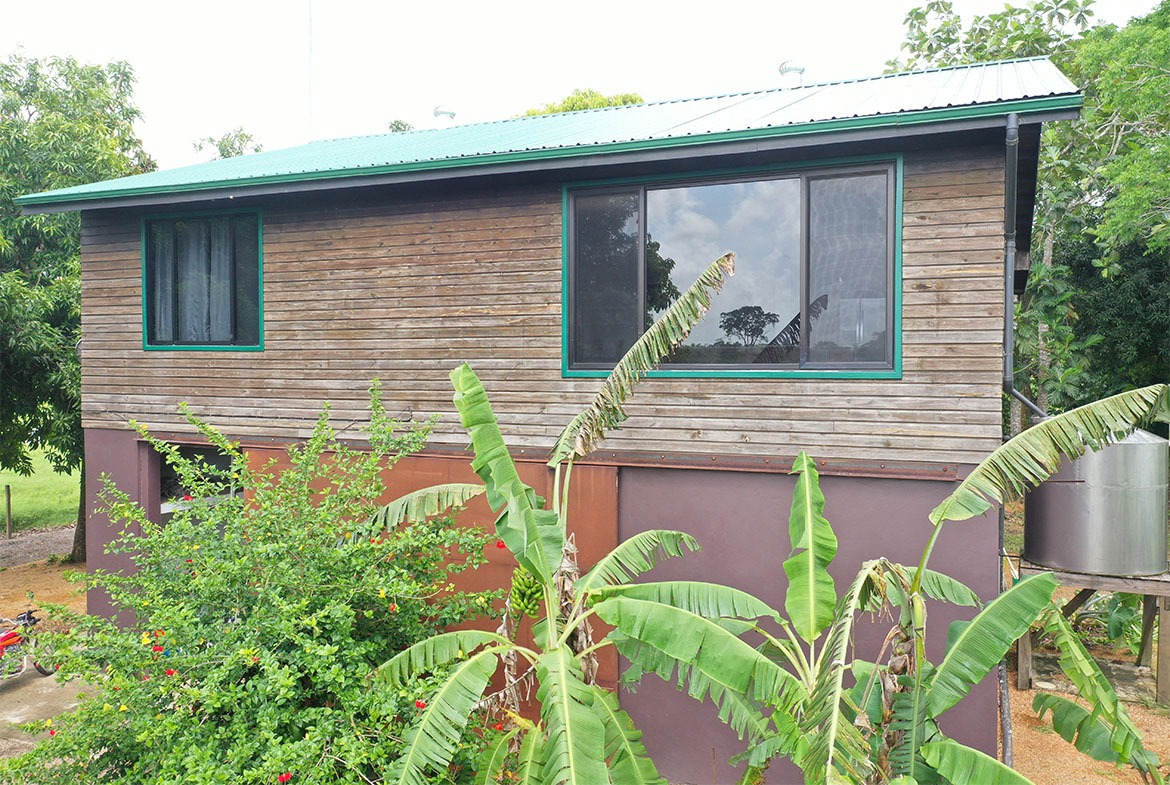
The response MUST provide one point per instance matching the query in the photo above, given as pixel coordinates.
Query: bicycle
(18, 646)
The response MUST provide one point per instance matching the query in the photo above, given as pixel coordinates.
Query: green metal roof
(944, 95)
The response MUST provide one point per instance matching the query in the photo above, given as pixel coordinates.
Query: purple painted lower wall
(741, 521)
(132, 466)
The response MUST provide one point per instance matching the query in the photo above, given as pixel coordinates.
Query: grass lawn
(42, 499)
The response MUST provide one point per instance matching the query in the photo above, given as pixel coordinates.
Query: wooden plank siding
(404, 290)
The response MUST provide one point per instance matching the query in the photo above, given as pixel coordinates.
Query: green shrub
(252, 624)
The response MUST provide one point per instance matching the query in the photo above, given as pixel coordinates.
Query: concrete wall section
(741, 521)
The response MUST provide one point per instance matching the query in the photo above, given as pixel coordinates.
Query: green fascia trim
(745, 374)
(918, 117)
(894, 372)
(147, 347)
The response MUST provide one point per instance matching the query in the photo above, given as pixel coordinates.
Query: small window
(202, 281)
(814, 273)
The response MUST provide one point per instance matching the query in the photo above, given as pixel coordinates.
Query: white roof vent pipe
(791, 74)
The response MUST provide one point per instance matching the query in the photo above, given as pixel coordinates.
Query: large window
(814, 273)
(201, 282)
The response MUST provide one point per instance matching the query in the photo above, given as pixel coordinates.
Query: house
(876, 223)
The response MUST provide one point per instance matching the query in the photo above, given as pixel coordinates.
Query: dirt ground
(1040, 753)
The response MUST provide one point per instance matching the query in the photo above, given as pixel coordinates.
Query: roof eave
(823, 132)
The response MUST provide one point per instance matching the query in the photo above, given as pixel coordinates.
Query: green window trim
(895, 368)
(147, 308)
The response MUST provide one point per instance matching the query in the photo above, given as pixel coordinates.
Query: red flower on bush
(156, 648)
(188, 498)
(284, 777)
(498, 726)
(394, 607)
(171, 671)
(420, 704)
(501, 544)
(52, 732)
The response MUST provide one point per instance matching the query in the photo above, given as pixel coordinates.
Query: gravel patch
(35, 544)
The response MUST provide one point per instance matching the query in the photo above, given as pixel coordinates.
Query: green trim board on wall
(204, 347)
(894, 371)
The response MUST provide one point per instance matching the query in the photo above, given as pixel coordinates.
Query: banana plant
(885, 727)
(582, 736)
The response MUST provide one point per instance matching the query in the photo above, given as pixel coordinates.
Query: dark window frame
(149, 305)
(891, 368)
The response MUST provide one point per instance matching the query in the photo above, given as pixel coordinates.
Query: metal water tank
(1104, 513)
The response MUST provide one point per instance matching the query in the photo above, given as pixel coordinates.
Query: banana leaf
(418, 505)
(711, 600)
(1034, 455)
(629, 762)
(635, 556)
(964, 766)
(533, 535)
(986, 639)
(607, 410)
(431, 743)
(574, 748)
(811, 596)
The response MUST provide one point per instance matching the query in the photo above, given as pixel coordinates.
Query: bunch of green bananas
(526, 593)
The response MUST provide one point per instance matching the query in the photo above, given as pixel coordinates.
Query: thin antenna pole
(312, 135)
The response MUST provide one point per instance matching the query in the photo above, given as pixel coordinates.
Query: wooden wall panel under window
(403, 291)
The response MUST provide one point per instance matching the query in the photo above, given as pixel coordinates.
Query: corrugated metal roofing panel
(937, 95)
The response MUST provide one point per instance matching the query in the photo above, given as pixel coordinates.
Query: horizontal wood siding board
(399, 290)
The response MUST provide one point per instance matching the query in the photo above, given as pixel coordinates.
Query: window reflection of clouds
(759, 221)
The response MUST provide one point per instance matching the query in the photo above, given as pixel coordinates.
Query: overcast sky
(289, 71)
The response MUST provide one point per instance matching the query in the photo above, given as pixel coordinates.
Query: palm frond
(607, 411)
(635, 556)
(418, 505)
(984, 641)
(811, 595)
(711, 600)
(833, 742)
(575, 739)
(1092, 686)
(1034, 455)
(431, 742)
(629, 762)
(958, 763)
(533, 535)
(438, 650)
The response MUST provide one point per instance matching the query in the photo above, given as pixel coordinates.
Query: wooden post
(1024, 661)
(1163, 675)
(8, 510)
(1149, 612)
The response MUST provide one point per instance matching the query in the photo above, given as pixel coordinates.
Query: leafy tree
(936, 36)
(234, 143)
(1102, 177)
(399, 126)
(585, 99)
(1124, 319)
(251, 625)
(749, 323)
(61, 124)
